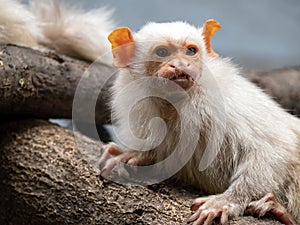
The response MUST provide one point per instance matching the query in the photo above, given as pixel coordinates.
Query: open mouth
(181, 76)
(182, 79)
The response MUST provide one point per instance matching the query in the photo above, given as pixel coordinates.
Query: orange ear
(210, 27)
(123, 47)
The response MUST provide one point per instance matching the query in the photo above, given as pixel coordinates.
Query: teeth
(173, 77)
(180, 76)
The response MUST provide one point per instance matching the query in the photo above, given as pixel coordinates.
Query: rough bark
(42, 84)
(45, 179)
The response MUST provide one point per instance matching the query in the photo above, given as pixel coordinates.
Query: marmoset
(231, 139)
(247, 149)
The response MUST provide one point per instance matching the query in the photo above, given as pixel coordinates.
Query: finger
(110, 164)
(122, 171)
(268, 206)
(210, 219)
(194, 217)
(114, 149)
(224, 216)
(109, 150)
(104, 157)
(133, 161)
(283, 215)
(198, 202)
(253, 207)
(268, 197)
(287, 220)
(201, 218)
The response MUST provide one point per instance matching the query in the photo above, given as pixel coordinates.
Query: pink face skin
(180, 63)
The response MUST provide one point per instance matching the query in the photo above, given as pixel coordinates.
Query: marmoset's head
(173, 51)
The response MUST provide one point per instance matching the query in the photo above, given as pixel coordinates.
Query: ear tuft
(123, 46)
(210, 27)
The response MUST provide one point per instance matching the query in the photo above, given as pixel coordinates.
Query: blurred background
(257, 34)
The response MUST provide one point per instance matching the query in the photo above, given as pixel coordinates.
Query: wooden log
(46, 179)
(42, 84)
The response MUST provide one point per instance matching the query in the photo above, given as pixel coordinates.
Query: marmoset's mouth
(182, 78)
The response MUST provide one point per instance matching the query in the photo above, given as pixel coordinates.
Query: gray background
(258, 34)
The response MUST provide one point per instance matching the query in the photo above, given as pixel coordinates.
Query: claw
(198, 202)
(210, 208)
(269, 204)
(114, 157)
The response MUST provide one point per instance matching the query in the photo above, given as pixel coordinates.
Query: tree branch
(42, 84)
(45, 179)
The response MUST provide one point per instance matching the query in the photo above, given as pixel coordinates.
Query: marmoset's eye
(191, 51)
(162, 52)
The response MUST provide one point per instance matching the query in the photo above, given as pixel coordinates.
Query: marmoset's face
(177, 61)
(173, 51)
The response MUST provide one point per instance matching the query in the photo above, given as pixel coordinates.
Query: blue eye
(191, 51)
(162, 52)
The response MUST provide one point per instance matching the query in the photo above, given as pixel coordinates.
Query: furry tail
(70, 31)
(17, 24)
(58, 26)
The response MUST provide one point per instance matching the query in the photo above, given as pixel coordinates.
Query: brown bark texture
(46, 179)
(43, 84)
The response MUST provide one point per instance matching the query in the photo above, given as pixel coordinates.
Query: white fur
(17, 24)
(58, 26)
(71, 31)
(260, 142)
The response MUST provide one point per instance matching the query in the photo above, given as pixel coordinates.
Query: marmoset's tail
(59, 26)
(17, 24)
